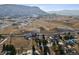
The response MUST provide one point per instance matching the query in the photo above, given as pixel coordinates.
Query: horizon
(52, 7)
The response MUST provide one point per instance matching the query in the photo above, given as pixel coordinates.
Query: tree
(10, 48)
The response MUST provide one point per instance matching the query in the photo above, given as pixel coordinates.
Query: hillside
(12, 10)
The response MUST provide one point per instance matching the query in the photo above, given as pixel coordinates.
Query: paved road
(3, 41)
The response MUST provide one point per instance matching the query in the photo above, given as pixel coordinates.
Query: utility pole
(11, 35)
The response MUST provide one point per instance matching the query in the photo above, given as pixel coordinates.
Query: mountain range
(13, 10)
(66, 12)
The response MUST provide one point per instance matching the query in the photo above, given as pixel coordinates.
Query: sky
(56, 7)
